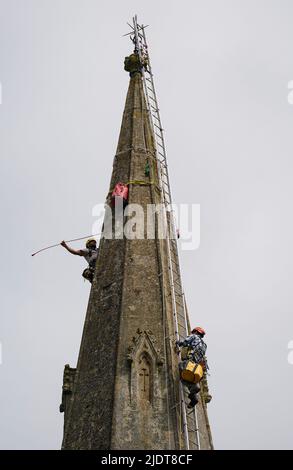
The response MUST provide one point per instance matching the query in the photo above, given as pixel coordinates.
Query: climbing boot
(193, 402)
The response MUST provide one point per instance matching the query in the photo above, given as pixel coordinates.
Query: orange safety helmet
(199, 330)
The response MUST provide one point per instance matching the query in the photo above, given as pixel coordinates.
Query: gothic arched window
(144, 378)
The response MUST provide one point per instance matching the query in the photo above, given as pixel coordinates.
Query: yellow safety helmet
(90, 241)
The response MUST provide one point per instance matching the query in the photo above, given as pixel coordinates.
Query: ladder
(189, 417)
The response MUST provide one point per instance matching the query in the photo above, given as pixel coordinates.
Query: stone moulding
(144, 342)
(145, 362)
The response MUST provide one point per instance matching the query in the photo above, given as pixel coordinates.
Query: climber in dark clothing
(90, 253)
(196, 352)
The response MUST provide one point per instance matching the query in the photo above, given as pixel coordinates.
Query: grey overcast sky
(222, 70)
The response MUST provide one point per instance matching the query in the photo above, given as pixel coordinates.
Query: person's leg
(193, 390)
(192, 387)
(193, 402)
(88, 275)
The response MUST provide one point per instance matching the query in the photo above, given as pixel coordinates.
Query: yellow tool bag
(192, 372)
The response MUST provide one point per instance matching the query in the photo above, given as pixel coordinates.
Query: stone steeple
(124, 392)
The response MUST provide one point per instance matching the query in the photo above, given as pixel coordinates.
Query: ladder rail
(141, 48)
(181, 391)
(194, 410)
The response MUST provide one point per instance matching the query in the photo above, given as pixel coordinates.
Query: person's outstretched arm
(183, 343)
(71, 250)
(187, 341)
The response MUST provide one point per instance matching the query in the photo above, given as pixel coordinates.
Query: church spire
(124, 393)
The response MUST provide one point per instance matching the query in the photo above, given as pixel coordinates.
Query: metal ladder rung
(193, 430)
(183, 319)
(165, 192)
(174, 269)
(174, 252)
(177, 264)
(180, 296)
(175, 255)
(194, 443)
(181, 316)
(162, 162)
(163, 175)
(178, 314)
(174, 248)
(178, 293)
(164, 170)
(182, 328)
(167, 200)
(148, 71)
(176, 282)
(160, 145)
(160, 136)
(151, 95)
(183, 334)
(190, 416)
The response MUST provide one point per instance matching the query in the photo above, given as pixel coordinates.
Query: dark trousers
(88, 273)
(192, 387)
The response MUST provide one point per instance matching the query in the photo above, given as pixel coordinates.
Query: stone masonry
(124, 391)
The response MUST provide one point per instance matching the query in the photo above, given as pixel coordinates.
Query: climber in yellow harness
(193, 362)
(90, 253)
